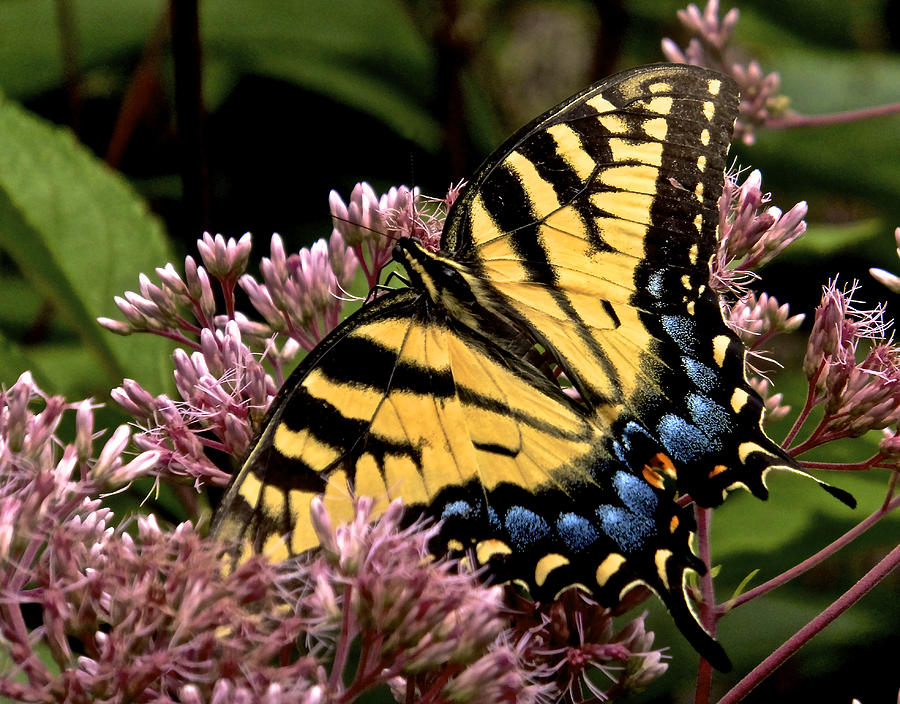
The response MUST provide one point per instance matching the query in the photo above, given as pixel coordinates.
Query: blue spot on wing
(525, 527)
(457, 509)
(683, 441)
(576, 531)
(629, 531)
(681, 329)
(709, 415)
(703, 376)
(656, 284)
(635, 493)
(632, 525)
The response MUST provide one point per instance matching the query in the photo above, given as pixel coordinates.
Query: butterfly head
(449, 283)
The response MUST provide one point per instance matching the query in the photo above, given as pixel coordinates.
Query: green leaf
(80, 236)
(742, 587)
(821, 239)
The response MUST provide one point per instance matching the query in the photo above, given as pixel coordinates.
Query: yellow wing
(401, 402)
(395, 404)
(592, 229)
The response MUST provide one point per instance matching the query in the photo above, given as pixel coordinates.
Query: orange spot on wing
(718, 469)
(657, 467)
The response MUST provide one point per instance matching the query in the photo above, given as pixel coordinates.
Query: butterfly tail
(686, 618)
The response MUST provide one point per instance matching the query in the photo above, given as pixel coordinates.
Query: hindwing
(400, 402)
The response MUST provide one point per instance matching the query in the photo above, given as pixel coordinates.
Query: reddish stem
(228, 294)
(342, 648)
(841, 467)
(835, 118)
(799, 639)
(808, 406)
(708, 612)
(814, 560)
(370, 671)
(178, 337)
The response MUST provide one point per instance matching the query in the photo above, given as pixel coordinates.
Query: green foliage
(79, 235)
(106, 31)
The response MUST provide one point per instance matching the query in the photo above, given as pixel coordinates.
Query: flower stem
(799, 639)
(836, 118)
(342, 650)
(808, 406)
(865, 465)
(708, 612)
(820, 556)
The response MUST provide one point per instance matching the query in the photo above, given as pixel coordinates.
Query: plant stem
(807, 407)
(863, 466)
(820, 556)
(799, 639)
(345, 640)
(836, 118)
(708, 612)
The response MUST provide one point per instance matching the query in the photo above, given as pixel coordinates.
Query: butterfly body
(585, 239)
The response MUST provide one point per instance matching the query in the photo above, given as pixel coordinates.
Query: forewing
(595, 225)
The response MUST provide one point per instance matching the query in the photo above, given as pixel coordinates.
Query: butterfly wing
(395, 404)
(587, 235)
(400, 401)
(595, 226)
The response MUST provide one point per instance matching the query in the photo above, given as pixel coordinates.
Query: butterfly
(551, 379)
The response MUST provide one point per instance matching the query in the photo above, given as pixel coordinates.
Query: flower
(892, 281)
(371, 224)
(567, 641)
(749, 237)
(300, 294)
(865, 396)
(757, 319)
(422, 625)
(838, 327)
(775, 409)
(710, 46)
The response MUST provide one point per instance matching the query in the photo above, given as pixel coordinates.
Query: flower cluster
(300, 296)
(751, 233)
(371, 225)
(570, 641)
(856, 396)
(709, 46)
(223, 388)
(423, 627)
(426, 629)
(144, 616)
(222, 383)
(761, 104)
(757, 318)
